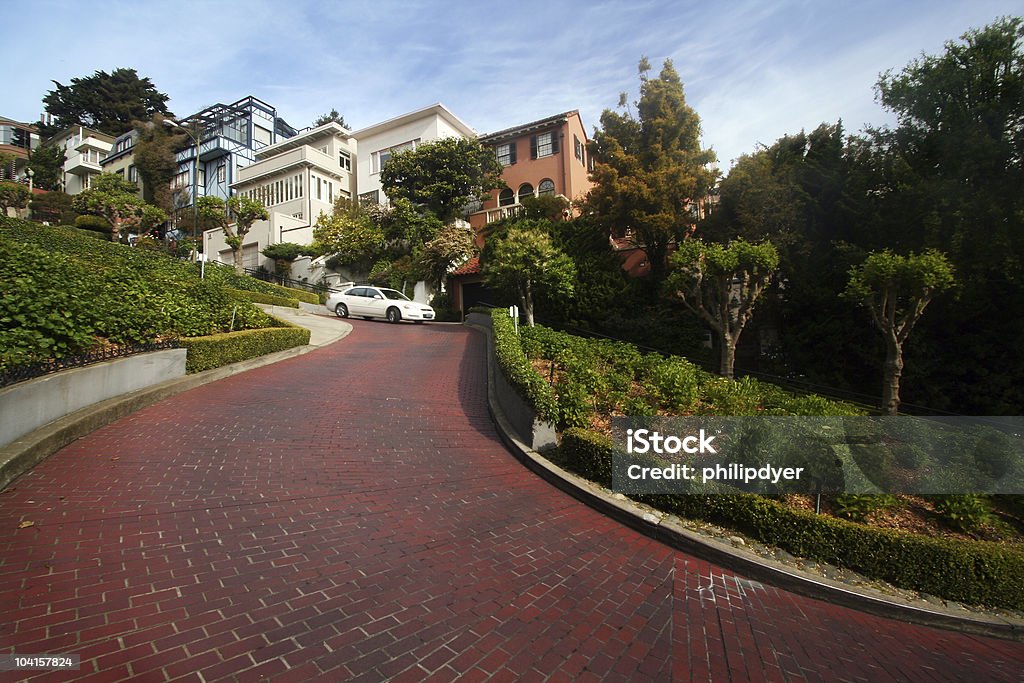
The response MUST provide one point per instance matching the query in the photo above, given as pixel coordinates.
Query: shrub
(968, 512)
(517, 369)
(261, 298)
(62, 293)
(858, 506)
(588, 454)
(206, 353)
(95, 223)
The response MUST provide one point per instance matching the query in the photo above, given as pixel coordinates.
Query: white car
(368, 302)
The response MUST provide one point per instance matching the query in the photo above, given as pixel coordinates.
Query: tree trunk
(728, 357)
(893, 372)
(115, 230)
(526, 300)
(239, 265)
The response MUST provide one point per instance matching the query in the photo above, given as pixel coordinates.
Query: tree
(284, 253)
(54, 208)
(350, 234)
(155, 153)
(453, 244)
(332, 116)
(47, 161)
(523, 260)
(114, 198)
(896, 289)
(13, 195)
(442, 176)
(650, 169)
(949, 178)
(107, 102)
(721, 284)
(234, 218)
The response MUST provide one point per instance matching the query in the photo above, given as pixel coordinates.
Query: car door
(376, 303)
(355, 301)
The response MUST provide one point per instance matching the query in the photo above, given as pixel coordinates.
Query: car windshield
(395, 294)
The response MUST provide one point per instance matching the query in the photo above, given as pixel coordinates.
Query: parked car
(377, 302)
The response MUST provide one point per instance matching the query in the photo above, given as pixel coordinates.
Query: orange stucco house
(548, 156)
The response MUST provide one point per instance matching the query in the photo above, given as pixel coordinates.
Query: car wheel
(341, 310)
(394, 316)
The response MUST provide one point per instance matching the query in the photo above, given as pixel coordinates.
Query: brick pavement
(352, 515)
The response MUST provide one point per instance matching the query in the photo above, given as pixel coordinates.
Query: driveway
(351, 514)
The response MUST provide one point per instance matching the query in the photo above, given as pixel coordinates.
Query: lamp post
(31, 174)
(195, 188)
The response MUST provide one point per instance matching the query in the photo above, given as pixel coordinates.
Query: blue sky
(753, 70)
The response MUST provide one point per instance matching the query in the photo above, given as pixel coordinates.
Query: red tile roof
(470, 267)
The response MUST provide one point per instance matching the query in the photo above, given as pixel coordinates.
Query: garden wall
(26, 406)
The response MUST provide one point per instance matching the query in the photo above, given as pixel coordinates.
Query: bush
(95, 223)
(206, 353)
(517, 369)
(588, 454)
(62, 294)
(968, 512)
(261, 298)
(858, 506)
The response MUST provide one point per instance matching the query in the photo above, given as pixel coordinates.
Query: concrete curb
(669, 530)
(24, 453)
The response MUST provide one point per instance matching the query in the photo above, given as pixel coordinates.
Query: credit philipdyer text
(644, 441)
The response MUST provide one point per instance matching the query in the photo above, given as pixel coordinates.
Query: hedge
(517, 369)
(261, 298)
(206, 353)
(973, 572)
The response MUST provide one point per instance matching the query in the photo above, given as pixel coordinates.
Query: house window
(544, 145)
(507, 197)
(319, 190)
(506, 154)
(547, 186)
(381, 158)
(122, 145)
(579, 148)
(133, 174)
(372, 197)
(345, 160)
(525, 191)
(221, 172)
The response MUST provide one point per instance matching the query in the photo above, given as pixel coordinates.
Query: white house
(377, 143)
(84, 149)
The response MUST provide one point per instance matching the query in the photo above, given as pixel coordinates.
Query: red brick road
(351, 515)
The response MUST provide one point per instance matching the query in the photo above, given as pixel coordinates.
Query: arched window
(525, 190)
(507, 197)
(547, 186)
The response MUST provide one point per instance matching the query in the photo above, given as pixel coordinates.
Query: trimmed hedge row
(226, 276)
(973, 572)
(518, 371)
(206, 353)
(261, 298)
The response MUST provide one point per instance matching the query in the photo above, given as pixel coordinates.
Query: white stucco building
(377, 143)
(295, 178)
(84, 149)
